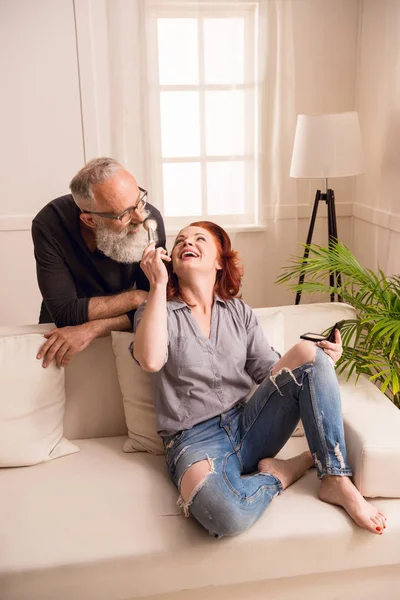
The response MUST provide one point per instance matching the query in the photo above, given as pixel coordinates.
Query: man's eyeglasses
(126, 216)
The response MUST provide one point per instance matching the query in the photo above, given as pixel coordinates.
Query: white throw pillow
(32, 403)
(273, 326)
(137, 394)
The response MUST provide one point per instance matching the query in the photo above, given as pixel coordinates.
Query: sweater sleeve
(141, 283)
(162, 240)
(55, 281)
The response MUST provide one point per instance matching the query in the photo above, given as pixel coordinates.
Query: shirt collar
(177, 304)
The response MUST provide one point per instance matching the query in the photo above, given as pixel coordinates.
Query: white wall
(41, 135)
(376, 233)
(43, 144)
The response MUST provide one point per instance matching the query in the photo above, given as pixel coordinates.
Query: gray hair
(96, 171)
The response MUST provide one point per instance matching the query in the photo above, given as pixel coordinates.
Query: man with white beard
(88, 247)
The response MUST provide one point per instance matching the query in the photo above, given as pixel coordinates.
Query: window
(203, 111)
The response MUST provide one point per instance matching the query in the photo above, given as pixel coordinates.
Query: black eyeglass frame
(142, 198)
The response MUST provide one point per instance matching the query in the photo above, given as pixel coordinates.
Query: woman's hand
(334, 350)
(153, 266)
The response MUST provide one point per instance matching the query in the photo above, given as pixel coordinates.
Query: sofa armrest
(372, 432)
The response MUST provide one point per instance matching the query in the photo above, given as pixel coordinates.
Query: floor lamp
(326, 146)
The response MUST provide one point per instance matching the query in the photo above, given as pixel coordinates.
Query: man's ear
(88, 220)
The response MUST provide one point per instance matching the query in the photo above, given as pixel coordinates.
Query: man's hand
(62, 343)
(334, 350)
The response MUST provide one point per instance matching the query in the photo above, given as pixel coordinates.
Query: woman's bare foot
(341, 491)
(287, 471)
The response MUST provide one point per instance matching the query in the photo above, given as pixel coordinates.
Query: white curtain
(277, 107)
(128, 86)
(376, 229)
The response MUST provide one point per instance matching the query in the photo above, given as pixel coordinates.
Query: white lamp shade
(327, 146)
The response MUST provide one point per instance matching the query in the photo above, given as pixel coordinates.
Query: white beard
(123, 247)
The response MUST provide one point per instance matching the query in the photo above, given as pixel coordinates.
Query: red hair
(228, 279)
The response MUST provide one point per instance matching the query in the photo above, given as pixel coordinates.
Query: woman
(205, 349)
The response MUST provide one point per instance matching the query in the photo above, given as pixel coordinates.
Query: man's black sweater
(69, 274)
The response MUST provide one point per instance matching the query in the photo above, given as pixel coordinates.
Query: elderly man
(88, 247)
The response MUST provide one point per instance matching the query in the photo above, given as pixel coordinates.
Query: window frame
(202, 10)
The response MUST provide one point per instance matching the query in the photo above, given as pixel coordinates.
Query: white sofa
(103, 525)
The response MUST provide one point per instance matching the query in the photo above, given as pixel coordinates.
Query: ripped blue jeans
(234, 495)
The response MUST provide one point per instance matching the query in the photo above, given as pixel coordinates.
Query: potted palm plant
(371, 341)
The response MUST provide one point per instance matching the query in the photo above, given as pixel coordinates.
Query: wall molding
(303, 211)
(290, 211)
(16, 222)
(376, 216)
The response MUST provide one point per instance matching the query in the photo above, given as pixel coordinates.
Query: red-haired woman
(204, 350)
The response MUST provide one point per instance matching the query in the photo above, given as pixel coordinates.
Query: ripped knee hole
(186, 497)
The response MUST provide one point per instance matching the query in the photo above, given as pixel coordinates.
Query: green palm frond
(371, 342)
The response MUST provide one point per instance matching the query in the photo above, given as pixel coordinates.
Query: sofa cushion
(94, 405)
(312, 317)
(137, 393)
(103, 524)
(272, 324)
(372, 430)
(32, 405)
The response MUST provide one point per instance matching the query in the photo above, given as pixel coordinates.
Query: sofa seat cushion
(104, 524)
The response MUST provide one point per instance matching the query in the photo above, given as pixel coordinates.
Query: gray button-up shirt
(202, 378)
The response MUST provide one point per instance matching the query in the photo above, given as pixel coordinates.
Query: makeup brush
(150, 225)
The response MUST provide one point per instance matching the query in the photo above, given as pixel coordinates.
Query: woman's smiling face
(195, 249)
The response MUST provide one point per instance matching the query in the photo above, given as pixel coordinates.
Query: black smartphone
(317, 337)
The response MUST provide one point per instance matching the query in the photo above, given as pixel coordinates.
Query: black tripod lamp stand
(326, 146)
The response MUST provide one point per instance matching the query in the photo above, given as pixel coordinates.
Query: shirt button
(216, 374)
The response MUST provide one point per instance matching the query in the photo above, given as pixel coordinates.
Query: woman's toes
(380, 522)
(377, 523)
(383, 519)
(376, 520)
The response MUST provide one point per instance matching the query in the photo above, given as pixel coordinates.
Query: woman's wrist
(158, 289)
